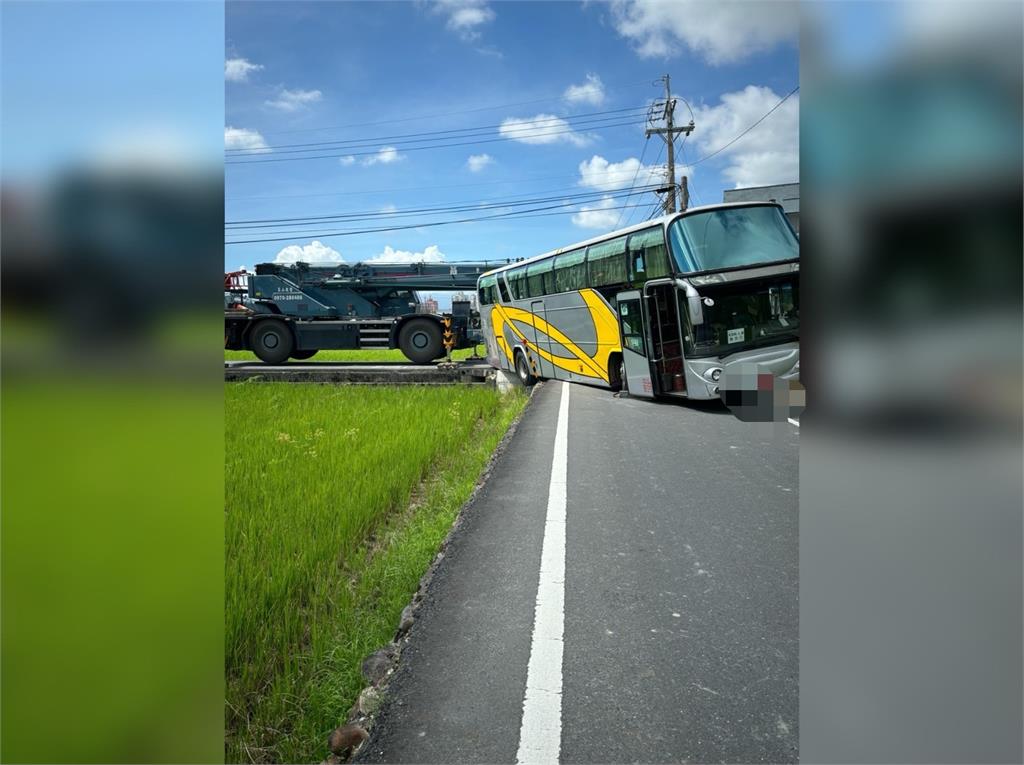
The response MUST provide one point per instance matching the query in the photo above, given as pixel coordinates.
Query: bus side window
(571, 271)
(607, 263)
(502, 289)
(632, 326)
(540, 278)
(487, 291)
(648, 255)
(517, 283)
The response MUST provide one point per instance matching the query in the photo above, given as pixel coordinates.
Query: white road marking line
(794, 422)
(540, 736)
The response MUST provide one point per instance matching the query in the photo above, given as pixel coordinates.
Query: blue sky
(92, 82)
(301, 73)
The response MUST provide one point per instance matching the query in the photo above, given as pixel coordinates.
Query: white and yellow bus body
(623, 309)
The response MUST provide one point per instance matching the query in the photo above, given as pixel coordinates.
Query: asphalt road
(680, 595)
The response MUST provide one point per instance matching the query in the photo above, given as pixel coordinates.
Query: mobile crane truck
(293, 310)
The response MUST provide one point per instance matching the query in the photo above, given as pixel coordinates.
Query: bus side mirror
(696, 309)
(693, 302)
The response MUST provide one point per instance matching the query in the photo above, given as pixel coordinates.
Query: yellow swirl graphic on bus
(606, 329)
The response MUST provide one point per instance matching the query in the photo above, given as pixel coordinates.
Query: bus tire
(421, 340)
(272, 341)
(523, 370)
(616, 373)
(303, 355)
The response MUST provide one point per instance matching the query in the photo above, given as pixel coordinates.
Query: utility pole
(668, 133)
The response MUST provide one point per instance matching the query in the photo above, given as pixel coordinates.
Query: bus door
(636, 368)
(666, 340)
(541, 338)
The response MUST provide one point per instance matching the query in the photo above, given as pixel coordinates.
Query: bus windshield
(732, 237)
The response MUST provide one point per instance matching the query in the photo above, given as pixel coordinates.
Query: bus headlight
(714, 374)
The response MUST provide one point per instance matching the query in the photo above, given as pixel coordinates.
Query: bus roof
(664, 220)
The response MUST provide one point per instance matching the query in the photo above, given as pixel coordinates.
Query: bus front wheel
(523, 370)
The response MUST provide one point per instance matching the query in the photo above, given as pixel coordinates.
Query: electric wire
(583, 196)
(632, 183)
(657, 162)
(545, 134)
(738, 137)
(555, 209)
(608, 88)
(530, 124)
(432, 187)
(541, 134)
(529, 212)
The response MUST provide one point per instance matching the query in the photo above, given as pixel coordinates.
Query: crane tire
(421, 340)
(272, 341)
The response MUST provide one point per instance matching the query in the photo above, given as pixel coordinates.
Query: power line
(431, 224)
(562, 97)
(530, 124)
(528, 180)
(762, 119)
(690, 186)
(523, 132)
(559, 203)
(657, 160)
(511, 216)
(455, 207)
(633, 182)
(545, 133)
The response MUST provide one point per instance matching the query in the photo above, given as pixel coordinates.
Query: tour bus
(662, 308)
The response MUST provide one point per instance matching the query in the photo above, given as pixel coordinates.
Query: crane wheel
(272, 342)
(421, 340)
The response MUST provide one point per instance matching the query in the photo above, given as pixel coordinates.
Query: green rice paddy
(336, 500)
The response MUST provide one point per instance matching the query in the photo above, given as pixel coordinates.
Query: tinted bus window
(517, 282)
(648, 256)
(502, 289)
(486, 290)
(540, 278)
(606, 263)
(571, 271)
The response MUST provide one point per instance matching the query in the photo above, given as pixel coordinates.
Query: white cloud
(600, 215)
(598, 173)
(314, 252)
(430, 254)
(238, 69)
(589, 92)
(721, 32)
(544, 128)
(464, 16)
(243, 138)
(347, 160)
(770, 153)
(293, 100)
(389, 209)
(385, 156)
(145, 146)
(478, 162)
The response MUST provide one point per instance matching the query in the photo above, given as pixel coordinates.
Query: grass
(336, 501)
(381, 354)
(112, 569)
